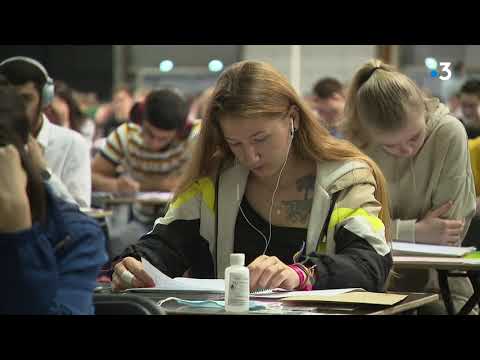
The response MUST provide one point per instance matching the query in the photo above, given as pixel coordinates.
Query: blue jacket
(52, 268)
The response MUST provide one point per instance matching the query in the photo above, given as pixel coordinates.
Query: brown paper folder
(363, 297)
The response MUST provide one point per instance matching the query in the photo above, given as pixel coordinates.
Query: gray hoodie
(439, 172)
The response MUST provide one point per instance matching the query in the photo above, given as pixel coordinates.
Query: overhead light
(431, 63)
(215, 66)
(166, 65)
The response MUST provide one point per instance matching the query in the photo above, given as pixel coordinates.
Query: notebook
(282, 294)
(474, 255)
(364, 297)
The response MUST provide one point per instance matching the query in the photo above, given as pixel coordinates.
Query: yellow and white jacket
(355, 252)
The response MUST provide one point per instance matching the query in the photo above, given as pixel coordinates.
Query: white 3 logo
(445, 69)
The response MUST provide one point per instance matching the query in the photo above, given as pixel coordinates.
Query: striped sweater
(125, 148)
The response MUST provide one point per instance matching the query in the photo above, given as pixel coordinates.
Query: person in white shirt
(66, 152)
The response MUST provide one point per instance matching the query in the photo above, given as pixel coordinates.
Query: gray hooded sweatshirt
(439, 172)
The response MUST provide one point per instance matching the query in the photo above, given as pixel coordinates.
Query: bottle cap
(237, 259)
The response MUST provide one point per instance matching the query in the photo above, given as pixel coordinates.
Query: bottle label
(238, 291)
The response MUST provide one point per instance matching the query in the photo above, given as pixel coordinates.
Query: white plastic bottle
(237, 285)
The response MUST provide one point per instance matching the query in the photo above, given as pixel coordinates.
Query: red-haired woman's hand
(268, 272)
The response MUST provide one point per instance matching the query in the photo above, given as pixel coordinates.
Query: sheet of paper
(404, 248)
(286, 294)
(164, 282)
(154, 196)
(159, 278)
(212, 285)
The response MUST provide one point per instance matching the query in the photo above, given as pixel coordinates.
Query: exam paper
(164, 282)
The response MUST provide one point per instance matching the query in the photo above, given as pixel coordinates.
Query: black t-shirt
(284, 243)
(472, 132)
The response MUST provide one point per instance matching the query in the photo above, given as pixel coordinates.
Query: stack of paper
(166, 283)
(404, 248)
(435, 260)
(427, 260)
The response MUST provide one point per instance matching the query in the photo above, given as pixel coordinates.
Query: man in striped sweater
(149, 157)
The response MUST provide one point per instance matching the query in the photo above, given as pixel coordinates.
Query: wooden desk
(445, 266)
(412, 302)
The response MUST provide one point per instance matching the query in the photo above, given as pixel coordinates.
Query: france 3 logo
(443, 74)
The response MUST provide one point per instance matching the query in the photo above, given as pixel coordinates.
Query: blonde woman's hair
(253, 89)
(381, 98)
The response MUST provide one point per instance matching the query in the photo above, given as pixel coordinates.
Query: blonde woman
(422, 151)
(268, 180)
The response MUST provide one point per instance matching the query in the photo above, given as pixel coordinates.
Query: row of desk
(445, 267)
(412, 302)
